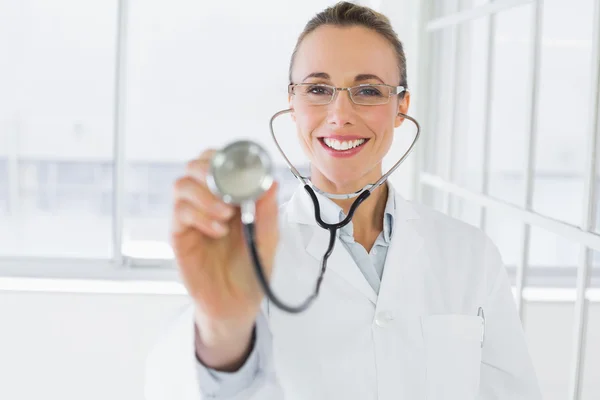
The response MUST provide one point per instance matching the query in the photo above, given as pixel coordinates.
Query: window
(511, 108)
(56, 122)
(180, 102)
(509, 112)
(58, 155)
(480, 114)
(565, 72)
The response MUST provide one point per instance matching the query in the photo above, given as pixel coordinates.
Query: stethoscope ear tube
(305, 180)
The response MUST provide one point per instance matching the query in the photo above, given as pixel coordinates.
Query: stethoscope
(242, 172)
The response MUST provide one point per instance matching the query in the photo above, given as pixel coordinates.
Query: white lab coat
(420, 338)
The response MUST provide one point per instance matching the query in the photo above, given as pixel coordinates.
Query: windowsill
(155, 278)
(97, 286)
(90, 286)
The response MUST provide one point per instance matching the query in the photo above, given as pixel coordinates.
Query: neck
(368, 216)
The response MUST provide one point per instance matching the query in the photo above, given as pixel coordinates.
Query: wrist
(227, 356)
(220, 333)
(223, 345)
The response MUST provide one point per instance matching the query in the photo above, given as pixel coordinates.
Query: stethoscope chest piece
(240, 172)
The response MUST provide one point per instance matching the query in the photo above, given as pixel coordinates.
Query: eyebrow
(357, 78)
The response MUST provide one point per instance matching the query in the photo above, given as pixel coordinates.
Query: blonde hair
(346, 14)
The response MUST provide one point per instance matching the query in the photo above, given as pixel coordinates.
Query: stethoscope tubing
(361, 195)
(249, 234)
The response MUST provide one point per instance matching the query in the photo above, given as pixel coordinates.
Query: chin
(341, 179)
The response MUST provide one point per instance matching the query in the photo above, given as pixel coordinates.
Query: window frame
(586, 277)
(121, 262)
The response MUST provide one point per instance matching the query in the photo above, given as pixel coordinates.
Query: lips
(343, 138)
(343, 153)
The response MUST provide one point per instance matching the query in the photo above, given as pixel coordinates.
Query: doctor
(414, 304)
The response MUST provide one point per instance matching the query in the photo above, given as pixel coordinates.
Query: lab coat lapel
(400, 304)
(405, 262)
(340, 262)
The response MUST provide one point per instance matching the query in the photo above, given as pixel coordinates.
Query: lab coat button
(383, 318)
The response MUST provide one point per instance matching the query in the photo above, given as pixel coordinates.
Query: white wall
(77, 346)
(64, 110)
(90, 346)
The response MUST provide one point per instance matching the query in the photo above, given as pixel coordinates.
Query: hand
(213, 258)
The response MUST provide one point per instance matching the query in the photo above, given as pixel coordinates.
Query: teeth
(345, 145)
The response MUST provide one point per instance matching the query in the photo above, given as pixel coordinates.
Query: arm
(174, 373)
(507, 371)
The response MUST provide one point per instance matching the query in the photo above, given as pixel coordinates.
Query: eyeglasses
(364, 94)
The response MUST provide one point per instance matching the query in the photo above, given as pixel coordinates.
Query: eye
(369, 91)
(319, 90)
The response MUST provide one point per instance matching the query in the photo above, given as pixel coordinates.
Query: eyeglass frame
(395, 90)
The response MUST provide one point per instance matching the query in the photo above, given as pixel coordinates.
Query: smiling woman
(400, 311)
(364, 63)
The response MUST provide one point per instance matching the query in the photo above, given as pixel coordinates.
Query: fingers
(187, 216)
(268, 200)
(194, 204)
(187, 189)
(199, 167)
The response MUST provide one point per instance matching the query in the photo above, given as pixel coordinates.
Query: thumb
(269, 198)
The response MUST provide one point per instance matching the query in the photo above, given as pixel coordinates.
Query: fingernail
(219, 228)
(225, 211)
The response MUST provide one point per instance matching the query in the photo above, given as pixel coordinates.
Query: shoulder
(443, 226)
(448, 238)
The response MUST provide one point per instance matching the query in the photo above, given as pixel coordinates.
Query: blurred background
(103, 102)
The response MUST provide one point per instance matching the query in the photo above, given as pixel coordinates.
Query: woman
(397, 315)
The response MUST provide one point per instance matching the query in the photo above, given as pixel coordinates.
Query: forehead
(344, 52)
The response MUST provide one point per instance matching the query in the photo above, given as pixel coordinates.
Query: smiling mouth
(343, 145)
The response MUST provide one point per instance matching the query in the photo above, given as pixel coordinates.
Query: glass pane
(548, 250)
(445, 7)
(441, 99)
(468, 4)
(181, 100)
(511, 88)
(549, 331)
(433, 198)
(466, 211)
(506, 233)
(470, 103)
(3, 186)
(591, 383)
(562, 125)
(57, 123)
(596, 220)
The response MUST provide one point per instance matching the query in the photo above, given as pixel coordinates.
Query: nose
(341, 109)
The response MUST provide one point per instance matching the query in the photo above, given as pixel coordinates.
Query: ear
(402, 108)
(291, 105)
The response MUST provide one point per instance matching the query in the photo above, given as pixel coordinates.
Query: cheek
(381, 123)
(307, 121)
